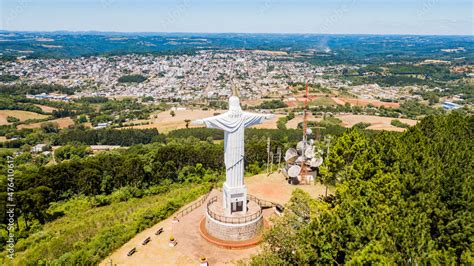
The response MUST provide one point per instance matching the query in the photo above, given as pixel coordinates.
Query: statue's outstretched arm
(255, 119)
(211, 122)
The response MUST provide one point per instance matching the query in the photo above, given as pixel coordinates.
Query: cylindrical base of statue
(240, 226)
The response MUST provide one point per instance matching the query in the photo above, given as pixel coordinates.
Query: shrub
(398, 123)
(12, 119)
(361, 125)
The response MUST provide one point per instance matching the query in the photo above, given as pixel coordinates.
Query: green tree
(71, 151)
(281, 123)
(50, 127)
(399, 199)
(12, 119)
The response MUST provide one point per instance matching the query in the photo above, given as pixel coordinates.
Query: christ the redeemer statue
(234, 122)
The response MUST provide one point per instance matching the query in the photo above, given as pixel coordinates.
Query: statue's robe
(234, 123)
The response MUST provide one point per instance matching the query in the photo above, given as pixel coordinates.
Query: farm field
(62, 123)
(46, 109)
(269, 124)
(376, 122)
(364, 102)
(323, 101)
(164, 122)
(22, 115)
(293, 123)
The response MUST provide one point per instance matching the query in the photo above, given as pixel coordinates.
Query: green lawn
(322, 101)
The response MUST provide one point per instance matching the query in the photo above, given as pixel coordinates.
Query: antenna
(304, 171)
(268, 155)
(279, 157)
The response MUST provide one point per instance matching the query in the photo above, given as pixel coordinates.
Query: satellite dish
(309, 153)
(291, 155)
(294, 171)
(285, 172)
(300, 160)
(299, 147)
(316, 162)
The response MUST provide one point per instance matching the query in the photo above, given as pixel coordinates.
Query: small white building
(38, 148)
(102, 125)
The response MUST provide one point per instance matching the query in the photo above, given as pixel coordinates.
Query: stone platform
(242, 226)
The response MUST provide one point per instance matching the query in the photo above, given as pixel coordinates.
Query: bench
(279, 209)
(148, 239)
(130, 253)
(159, 231)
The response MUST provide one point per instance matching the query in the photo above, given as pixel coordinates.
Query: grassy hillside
(85, 235)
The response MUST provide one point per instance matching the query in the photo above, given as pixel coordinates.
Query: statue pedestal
(239, 226)
(234, 199)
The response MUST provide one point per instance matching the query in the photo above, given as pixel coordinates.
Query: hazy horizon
(92, 32)
(354, 17)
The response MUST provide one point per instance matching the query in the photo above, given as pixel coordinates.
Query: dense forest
(401, 199)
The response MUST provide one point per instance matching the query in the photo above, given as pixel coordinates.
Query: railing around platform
(231, 220)
(193, 206)
(265, 204)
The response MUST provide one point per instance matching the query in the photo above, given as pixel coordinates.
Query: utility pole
(268, 156)
(279, 157)
(272, 155)
(304, 172)
(328, 143)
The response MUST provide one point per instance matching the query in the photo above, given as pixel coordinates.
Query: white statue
(233, 123)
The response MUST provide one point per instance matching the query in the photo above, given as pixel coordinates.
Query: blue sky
(445, 17)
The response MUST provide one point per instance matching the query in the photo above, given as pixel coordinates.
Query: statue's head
(234, 103)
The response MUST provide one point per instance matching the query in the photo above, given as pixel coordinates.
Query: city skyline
(424, 17)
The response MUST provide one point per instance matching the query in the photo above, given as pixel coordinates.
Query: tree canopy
(400, 199)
